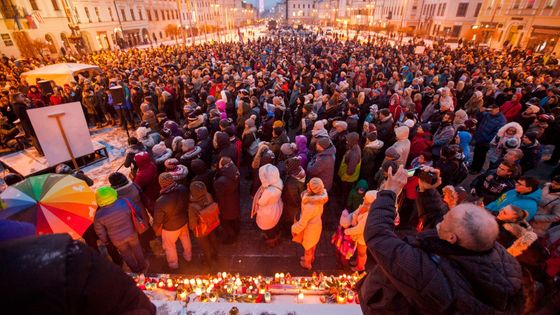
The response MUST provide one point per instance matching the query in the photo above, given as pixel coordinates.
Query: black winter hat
(117, 180)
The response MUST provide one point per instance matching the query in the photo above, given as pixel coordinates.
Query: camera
(425, 176)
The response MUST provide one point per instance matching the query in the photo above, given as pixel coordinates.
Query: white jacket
(267, 203)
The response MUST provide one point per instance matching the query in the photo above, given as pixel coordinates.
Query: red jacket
(55, 100)
(420, 143)
(147, 177)
(511, 110)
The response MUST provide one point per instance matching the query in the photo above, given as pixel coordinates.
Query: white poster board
(50, 137)
(419, 50)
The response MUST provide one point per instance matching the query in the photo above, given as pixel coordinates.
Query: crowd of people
(382, 136)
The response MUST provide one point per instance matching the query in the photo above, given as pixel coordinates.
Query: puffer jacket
(171, 208)
(548, 210)
(498, 143)
(133, 192)
(427, 275)
(488, 127)
(527, 202)
(310, 223)
(267, 204)
(114, 222)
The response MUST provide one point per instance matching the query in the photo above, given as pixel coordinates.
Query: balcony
(522, 11)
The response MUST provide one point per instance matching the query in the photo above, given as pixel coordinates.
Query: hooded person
(349, 170)
(202, 173)
(200, 199)
(356, 196)
(205, 144)
(267, 203)
(309, 226)
(149, 116)
(146, 178)
(371, 157)
(190, 152)
(460, 117)
(225, 148)
(512, 108)
(508, 137)
(226, 182)
(294, 185)
(301, 149)
(474, 105)
(160, 154)
(402, 145)
(322, 164)
(148, 138)
(354, 225)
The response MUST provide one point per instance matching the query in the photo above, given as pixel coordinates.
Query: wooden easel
(57, 116)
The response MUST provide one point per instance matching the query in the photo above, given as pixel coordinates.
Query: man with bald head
(459, 268)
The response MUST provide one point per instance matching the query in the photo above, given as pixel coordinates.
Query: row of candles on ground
(252, 289)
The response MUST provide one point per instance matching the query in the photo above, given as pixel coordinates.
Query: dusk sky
(267, 3)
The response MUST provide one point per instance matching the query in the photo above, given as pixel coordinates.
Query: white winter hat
(159, 149)
(142, 132)
(370, 196)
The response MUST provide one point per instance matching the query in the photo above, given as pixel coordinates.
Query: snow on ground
(115, 140)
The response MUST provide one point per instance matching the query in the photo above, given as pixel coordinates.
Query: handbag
(344, 243)
(139, 224)
(208, 220)
(253, 148)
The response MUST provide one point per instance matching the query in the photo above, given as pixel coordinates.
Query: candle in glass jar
(350, 296)
(300, 297)
(198, 291)
(213, 297)
(341, 298)
(267, 297)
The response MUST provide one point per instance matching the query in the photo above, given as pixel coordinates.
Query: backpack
(252, 150)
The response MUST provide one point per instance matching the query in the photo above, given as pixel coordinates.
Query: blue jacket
(527, 202)
(465, 138)
(488, 127)
(114, 222)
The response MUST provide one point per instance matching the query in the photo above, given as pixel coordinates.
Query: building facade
(528, 24)
(53, 27)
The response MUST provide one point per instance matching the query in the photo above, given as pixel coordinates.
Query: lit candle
(181, 294)
(161, 284)
(341, 298)
(192, 282)
(198, 291)
(350, 296)
(213, 297)
(267, 297)
(198, 281)
(300, 297)
(224, 275)
(169, 283)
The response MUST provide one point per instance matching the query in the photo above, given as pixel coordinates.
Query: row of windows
(165, 15)
(302, 6)
(34, 5)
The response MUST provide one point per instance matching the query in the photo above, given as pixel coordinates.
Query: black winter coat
(53, 274)
(431, 276)
(171, 208)
(291, 197)
(226, 186)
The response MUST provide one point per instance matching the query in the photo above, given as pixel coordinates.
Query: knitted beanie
(198, 190)
(278, 124)
(293, 166)
(159, 149)
(324, 142)
(166, 180)
(316, 185)
(288, 148)
(105, 196)
(171, 164)
(117, 180)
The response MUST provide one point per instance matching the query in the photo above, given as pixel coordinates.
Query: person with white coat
(402, 145)
(307, 230)
(355, 224)
(267, 203)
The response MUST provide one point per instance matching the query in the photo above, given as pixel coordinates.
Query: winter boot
(307, 259)
(360, 263)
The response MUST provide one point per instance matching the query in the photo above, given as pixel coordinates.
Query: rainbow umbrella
(54, 203)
